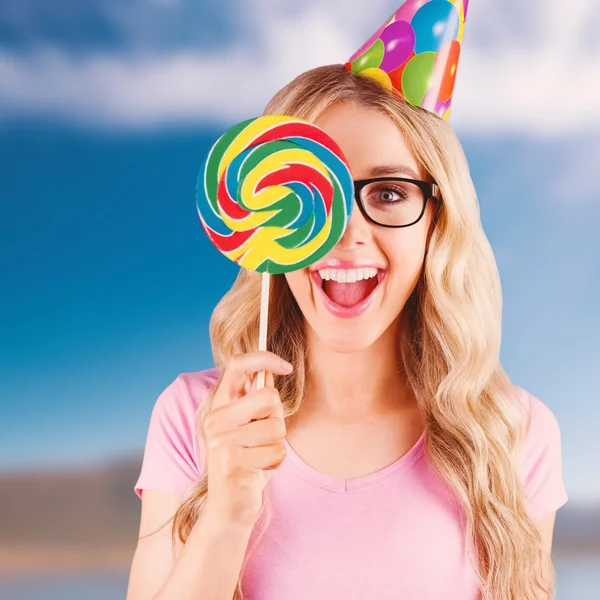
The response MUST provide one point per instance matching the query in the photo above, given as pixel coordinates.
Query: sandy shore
(28, 560)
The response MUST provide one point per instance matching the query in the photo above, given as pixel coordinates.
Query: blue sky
(106, 111)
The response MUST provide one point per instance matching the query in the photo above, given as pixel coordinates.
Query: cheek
(405, 252)
(299, 285)
(405, 248)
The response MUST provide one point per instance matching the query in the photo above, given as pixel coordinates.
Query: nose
(358, 231)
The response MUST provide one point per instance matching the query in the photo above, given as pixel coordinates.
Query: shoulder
(541, 457)
(186, 393)
(176, 409)
(191, 389)
(173, 458)
(541, 425)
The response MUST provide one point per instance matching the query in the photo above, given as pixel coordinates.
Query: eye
(386, 193)
(389, 194)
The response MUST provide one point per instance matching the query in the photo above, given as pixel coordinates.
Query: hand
(244, 435)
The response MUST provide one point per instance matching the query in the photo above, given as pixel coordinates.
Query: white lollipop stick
(264, 319)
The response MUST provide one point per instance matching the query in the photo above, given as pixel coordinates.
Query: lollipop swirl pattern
(416, 52)
(274, 194)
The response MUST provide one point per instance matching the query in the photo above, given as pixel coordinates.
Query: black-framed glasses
(394, 201)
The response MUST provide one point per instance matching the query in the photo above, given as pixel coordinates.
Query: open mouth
(348, 292)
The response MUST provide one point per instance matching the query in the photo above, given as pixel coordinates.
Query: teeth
(347, 275)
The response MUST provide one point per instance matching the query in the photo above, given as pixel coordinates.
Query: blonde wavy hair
(449, 349)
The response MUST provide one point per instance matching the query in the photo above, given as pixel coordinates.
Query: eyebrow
(384, 170)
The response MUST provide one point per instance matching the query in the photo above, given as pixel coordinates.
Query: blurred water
(578, 579)
(90, 587)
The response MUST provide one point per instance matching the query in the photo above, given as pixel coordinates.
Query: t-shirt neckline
(336, 484)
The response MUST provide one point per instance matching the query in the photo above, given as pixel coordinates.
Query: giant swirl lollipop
(274, 195)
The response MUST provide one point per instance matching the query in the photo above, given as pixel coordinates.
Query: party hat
(416, 52)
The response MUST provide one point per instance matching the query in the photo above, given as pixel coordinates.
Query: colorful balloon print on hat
(275, 194)
(416, 52)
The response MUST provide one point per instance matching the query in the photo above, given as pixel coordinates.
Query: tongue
(349, 294)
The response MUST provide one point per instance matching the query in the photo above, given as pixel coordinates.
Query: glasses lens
(392, 202)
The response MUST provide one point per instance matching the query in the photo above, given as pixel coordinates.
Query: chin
(346, 339)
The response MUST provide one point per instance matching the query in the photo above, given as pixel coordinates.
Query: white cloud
(182, 86)
(546, 87)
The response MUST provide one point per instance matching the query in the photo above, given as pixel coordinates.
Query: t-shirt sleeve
(542, 461)
(173, 459)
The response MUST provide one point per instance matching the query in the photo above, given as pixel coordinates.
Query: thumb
(253, 379)
(269, 379)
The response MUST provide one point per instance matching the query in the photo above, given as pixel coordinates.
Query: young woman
(401, 461)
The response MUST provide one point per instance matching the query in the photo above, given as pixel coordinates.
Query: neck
(355, 386)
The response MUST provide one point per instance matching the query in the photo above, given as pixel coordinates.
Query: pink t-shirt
(395, 533)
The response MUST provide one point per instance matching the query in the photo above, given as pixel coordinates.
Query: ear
(437, 208)
(432, 225)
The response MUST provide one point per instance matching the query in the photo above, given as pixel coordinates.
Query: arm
(542, 473)
(245, 431)
(207, 566)
(546, 529)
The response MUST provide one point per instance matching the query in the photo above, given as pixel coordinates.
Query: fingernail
(287, 367)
